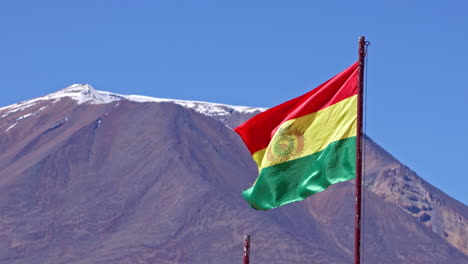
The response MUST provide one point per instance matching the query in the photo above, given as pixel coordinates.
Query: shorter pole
(246, 249)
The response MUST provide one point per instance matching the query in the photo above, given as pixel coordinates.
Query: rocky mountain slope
(95, 177)
(396, 183)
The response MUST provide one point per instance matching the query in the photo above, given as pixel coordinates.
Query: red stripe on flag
(258, 131)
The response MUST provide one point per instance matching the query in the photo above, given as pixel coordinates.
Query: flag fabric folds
(304, 145)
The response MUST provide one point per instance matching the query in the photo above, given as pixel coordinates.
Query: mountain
(95, 177)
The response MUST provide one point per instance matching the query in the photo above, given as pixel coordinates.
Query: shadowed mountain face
(118, 180)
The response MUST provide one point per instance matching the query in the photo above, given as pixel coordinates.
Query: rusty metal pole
(358, 190)
(246, 249)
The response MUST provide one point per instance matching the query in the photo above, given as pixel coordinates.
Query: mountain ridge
(85, 93)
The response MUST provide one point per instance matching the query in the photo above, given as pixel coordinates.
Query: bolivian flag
(304, 145)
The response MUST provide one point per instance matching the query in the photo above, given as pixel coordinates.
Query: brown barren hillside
(95, 177)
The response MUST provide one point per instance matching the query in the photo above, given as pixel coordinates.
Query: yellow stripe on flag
(309, 134)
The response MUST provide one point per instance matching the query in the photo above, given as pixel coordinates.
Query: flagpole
(358, 190)
(246, 259)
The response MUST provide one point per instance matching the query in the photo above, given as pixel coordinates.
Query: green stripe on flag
(297, 179)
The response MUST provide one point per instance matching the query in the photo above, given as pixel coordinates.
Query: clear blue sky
(259, 53)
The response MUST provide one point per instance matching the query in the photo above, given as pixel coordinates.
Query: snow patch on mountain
(17, 107)
(84, 93)
(206, 108)
(10, 127)
(24, 116)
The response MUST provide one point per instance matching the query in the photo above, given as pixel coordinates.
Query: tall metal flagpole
(357, 220)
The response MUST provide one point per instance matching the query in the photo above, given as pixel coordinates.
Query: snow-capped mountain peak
(78, 88)
(86, 94)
